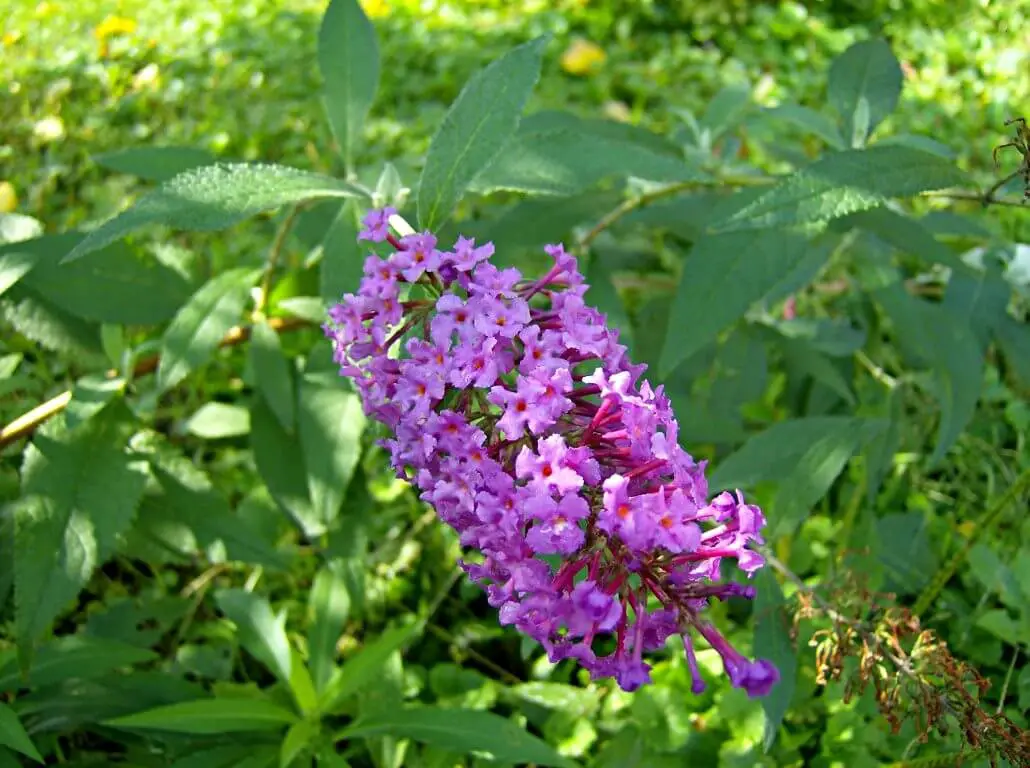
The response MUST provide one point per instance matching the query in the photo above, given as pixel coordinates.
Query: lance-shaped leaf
(209, 716)
(348, 56)
(773, 626)
(79, 494)
(215, 197)
(154, 163)
(474, 130)
(841, 183)
(261, 632)
(13, 735)
(864, 87)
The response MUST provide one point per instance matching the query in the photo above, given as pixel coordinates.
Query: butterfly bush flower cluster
(519, 417)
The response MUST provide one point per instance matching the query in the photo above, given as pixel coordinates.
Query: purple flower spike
(521, 420)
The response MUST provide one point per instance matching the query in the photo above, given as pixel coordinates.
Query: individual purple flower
(521, 419)
(376, 224)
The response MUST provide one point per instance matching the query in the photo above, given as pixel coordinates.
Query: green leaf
(906, 234)
(14, 265)
(330, 421)
(194, 334)
(980, 299)
(723, 275)
(1000, 624)
(13, 735)
(1013, 338)
(923, 143)
(952, 351)
(815, 470)
(603, 295)
(79, 494)
(364, 667)
(214, 421)
(533, 223)
(301, 736)
(348, 58)
(556, 120)
(772, 642)
(864, 86)
(260, 632)
(905, 551)
(460, 730)
(725, 110)
(881, 449)
(810, 121)
(273, 374)
(475, 129)
(208, 515)
(215, 197)
(90, 395)
(564, 163)
(154, 163)
(209, 716)
(842, 183)
(771, 454)
(802, 356)
(342, 263)
(280, 461)
(51, 327)
(230, 756)
(328, 607)
(68, 658)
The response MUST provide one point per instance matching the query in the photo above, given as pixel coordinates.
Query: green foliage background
(245, 593)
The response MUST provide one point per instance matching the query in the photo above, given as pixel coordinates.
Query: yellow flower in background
(10, 38)
(44, 9)
(375, 9)
(582, 57)
(8, 197)
(114, 25)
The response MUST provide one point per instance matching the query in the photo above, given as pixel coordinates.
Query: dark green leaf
(14, 265)
(923, 143)
(342, 262)
(906, 234)
(563, 163)
(864, 87)
(803, 357)
(68, 658)
(154, 163)
(475, 129)
(214, 197)
(328, 608)
(836, 338)
(280, 461)
(231, 756)
(725, 110)
(722, 277)
(841, 183)
(1013, 337)
(461, 730)
(772, 641)
(80, 493)
(303, 735)
(555, 120)
(905, 552)
(535, 223)
(13, 735)
(207, 514)
(348, 57)
(273, 373)
(330, 421)
(951, 350)
(980, 299)
(809, 120)
(364, 667)
(815, 471)
(198, 327)
(260, 632)
(881, 449)
(209, 716)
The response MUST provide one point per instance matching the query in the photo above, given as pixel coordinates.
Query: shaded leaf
(722, 277)
(810, 121)
(725, 111)
(461, 730)
(154, 163)
(773, 625)
(342, 263)
(80, 493)
(363, 667)
(864, 86)
(1013, 337)
(475, 129)
(906, 234)
(330, 421)
(348, 58)
(209, 716)
(214, 197)
(13, 735)
(328, 608)
(67, 658)
(273, 373)
(198, 327)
